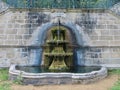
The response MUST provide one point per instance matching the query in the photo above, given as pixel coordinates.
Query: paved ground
(104, 84)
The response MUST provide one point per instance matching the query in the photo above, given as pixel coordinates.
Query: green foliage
(5, 86)
(3, 74)
(116, 86)
(19, 79)
(3, 78)
(114, 71)
(61, 3)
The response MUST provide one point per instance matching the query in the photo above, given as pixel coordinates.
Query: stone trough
(56, 78)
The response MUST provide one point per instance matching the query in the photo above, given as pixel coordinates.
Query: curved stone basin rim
(102, 71)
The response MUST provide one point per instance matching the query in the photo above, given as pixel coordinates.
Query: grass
(4, 84)
(3, 74)
(114, 71)
(117, 84)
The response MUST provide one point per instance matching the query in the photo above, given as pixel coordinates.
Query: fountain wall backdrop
(95, 32)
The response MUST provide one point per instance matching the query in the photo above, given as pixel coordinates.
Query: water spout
(58, 31)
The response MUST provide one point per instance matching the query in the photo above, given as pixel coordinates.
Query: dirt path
(104, 84)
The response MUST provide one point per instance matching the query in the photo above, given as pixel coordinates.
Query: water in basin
(77, 69)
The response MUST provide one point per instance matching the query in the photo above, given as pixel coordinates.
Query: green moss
(57, 45)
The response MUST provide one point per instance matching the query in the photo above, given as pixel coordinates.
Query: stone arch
(39, 36)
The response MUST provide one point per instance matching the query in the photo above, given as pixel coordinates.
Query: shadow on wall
(87, 21)
(33, 21)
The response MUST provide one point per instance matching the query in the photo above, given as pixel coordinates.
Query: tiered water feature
(59, 65)
(58, 54)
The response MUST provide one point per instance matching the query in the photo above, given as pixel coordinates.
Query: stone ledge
(57, 78)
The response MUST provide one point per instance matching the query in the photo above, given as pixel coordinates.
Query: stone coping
(39, 46)
(93, 74)
(95, 10)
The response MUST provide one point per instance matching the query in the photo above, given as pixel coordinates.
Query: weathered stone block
(10, 55)
(112, 27)
(11, 42)
(18, 36)
(114, 43)
(105, 37)
(2, 30)
(104, 32)
(22, 42)
(94, 37)
(101, 43)
(20, 20)
(21, 31)
(3, 37)
(1, 42)
(2, 54)
(100, 26)
(115, 55)
(10, 31)
(105, 55)
(116, 38)
(11, 37)
(10, 25)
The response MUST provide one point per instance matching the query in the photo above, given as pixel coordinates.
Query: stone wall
(22, 31)
(101, 29)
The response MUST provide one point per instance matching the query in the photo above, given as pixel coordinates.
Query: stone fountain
(58, 64)
(58, 54)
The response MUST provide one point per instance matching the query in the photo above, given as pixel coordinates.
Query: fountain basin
(56, 78)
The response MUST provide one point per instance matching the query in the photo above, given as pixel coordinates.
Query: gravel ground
(104, 84)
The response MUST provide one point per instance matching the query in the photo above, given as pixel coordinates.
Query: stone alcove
(39, 39)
